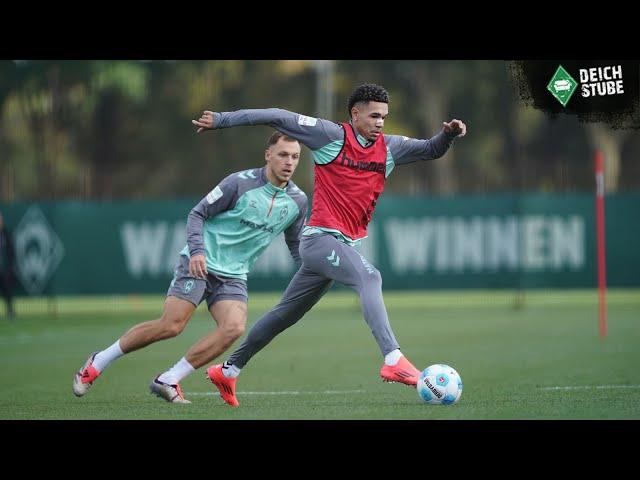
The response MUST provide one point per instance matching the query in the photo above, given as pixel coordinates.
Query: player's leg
(342, 263)
(227, 300)
(175, 316)
(305, 289)
(183, 297)
(231, 317)
(303, 292)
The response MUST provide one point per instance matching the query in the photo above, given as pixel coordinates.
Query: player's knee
(233, 330)
(372, 278)
(174, 329)
(376, 277)
(173, 325)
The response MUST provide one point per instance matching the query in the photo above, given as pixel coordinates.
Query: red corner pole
(602, 273)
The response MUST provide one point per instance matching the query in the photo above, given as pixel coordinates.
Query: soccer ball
(439, 385)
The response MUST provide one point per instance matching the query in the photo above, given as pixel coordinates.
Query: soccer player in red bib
(352, 161)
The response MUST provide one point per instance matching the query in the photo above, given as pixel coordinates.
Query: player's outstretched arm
(205, 122)
(405, 150)
(313, 132)
(455, 126)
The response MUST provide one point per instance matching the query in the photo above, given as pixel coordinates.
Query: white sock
(106, 356)
(179, 371)
(230, 371)
(392, 358)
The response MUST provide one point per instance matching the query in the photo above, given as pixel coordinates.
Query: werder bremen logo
(38, 250)
(562, 86)
(188, 286)
(283, 214)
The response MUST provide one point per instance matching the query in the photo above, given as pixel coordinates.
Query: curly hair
(367, 92)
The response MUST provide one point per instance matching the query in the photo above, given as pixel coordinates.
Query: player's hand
(198, 266)
(205, 122)
(455, 126)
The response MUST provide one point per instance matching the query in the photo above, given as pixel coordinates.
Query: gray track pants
(324, 259)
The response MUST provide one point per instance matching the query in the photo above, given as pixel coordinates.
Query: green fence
(497, 241)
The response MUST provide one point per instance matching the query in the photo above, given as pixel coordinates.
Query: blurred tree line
(80, 129)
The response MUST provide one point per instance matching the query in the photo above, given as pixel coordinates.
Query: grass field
(543, 361)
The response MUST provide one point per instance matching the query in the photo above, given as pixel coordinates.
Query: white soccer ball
(439, 385)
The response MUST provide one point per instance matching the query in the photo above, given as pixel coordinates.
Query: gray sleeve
(407, 150)
(223, 197)
(313, 132)
(293, 232)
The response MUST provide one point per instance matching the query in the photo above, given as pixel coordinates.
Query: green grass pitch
(542, 361)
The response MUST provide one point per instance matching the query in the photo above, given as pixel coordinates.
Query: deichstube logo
(594, 82)
(38, 250)
(562, 85)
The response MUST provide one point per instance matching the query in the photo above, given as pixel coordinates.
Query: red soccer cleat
(226, 385)
(85, 377)
(402, 372)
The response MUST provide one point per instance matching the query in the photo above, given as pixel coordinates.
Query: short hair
(273, 139)
(368, 92)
